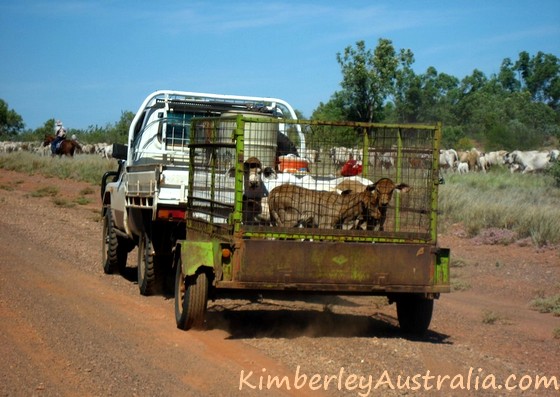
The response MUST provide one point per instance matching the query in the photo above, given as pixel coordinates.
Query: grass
(82, 200)
(490, 317)
(556, 333)
(61, 202)
(527, 205)
(459, 285)
(547, 304)
(85, 168)
(47, 191)
(86, 191)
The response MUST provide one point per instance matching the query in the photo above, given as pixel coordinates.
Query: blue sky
(84, 62)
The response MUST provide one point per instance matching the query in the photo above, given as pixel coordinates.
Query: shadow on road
(245, 322)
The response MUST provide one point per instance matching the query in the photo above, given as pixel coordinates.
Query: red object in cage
(292, 164)
(351, 168)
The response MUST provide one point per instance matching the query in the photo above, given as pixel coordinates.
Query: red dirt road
(66, 328)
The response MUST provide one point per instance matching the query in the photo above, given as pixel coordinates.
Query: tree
(507, 77)
(11, 123)
(519, 108)
(541, 77)
(48, 128)
(120, 133)
(369, 78)
(333, 110)
(425, 98)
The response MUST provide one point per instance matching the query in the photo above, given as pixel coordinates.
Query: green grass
(82, 200)
(556, 333)
(85, 168)
(528, 205)
(61, 202)
(47, 191)
(547, 304)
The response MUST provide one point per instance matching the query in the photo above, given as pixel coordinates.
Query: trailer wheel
(114, 250)
(414, 313)
(191, 299)
(146, 265)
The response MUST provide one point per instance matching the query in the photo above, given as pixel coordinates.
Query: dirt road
(68, 329)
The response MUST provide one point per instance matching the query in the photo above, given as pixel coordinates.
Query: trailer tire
(114, 251)
(191, 299)
(414, 313)
(146, 265)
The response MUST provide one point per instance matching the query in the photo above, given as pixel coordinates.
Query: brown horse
(66, 147)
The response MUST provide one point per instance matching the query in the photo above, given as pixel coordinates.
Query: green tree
(518, 108)
(11, 123)
(369, 78)
(120, 131)
(541, 77)
(333, 110)
(507, 76)
(426, 98)
(48, 128)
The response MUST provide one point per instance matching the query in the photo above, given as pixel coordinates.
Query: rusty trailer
(293, 206)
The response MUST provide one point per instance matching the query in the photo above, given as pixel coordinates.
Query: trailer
(302, 223)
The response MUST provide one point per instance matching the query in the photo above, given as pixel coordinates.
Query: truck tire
(114, 251)
(146, 266)
(414, 313)
(191, 299)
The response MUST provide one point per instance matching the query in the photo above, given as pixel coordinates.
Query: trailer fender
(441, 273)
(197, 254)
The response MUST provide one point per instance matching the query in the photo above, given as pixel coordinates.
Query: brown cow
(293, 206)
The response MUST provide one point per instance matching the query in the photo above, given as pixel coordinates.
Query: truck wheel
(414, 313)
(191, 299)
(146, 265)
(114, 251)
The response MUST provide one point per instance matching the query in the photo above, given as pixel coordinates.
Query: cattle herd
(465, 161)
(517, 160)
(473, 160)
(100, 149)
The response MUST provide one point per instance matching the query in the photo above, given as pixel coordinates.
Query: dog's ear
(269, 173)
(403, 187)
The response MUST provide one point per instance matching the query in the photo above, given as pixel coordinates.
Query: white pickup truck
(145, 201)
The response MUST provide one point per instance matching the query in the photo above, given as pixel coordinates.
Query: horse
(66, 147)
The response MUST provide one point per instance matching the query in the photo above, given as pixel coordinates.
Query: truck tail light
(171, 214)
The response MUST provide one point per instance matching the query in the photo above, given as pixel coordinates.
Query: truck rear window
(178, 129)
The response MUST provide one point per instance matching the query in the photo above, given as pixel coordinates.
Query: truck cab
(145, 201)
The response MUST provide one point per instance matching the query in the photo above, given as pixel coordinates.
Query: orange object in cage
(292, 164)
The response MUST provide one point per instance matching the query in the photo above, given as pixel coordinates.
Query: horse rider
(60, 134)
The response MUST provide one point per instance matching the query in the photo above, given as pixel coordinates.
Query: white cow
(462, 167)
(448, 158)
(528, 161)
(495, 158)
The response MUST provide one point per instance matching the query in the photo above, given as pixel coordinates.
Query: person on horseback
(60, 134)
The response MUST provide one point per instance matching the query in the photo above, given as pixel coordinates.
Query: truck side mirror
(120, 151)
